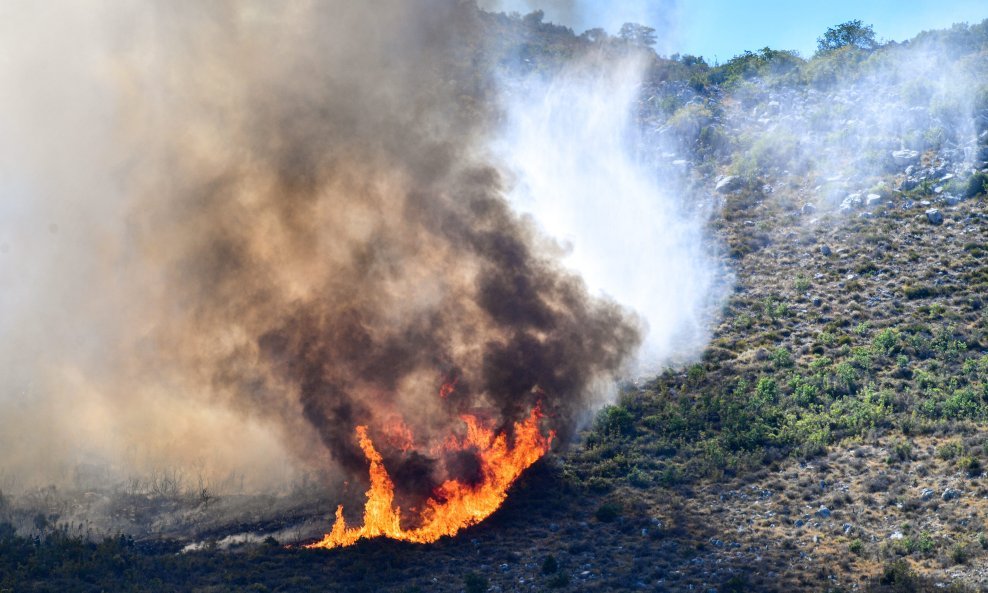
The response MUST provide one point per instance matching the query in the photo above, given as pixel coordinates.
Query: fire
(448, 387)
(453, 505)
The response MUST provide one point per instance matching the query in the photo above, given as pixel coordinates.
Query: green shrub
(970, 465)
(913, 292)
(766, 391)
(846, 377)
(802, 283)
(962, 403)
(899, 576)
(925, 545)
(781, 358)
(639, 479)
(949, 450)
(958, 553)
(607, 512)
(695, 374)
(902, 450)
(976, 184)
(886, 341)
(856, 547)
(475, 583)
(615, 421)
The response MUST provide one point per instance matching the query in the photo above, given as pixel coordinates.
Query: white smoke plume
(638, 236)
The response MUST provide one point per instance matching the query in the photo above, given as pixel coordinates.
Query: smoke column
(232, 232)
(571, 143)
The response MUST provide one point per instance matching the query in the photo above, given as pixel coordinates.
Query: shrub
(925, 544)
(475, 583)
(639, 479)
(949, 450)
(737, 584)
(695, 374)
(899, 575)
(802, 283)
(958, 553)
(913, 292)
(902, 450)
(856, 547)
(962, 403)
(886, 342)
(615, 421)
(781, 358)
(607, 512)
(971, 465)
(846, 377)
(766, 391)
(550, 565)
(976, 184)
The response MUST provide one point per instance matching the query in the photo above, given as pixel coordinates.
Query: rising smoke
(232, 233)
(573, 144)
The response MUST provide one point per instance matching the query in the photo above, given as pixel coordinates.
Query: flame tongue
(454, 505)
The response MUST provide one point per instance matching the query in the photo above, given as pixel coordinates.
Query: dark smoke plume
(289, 214)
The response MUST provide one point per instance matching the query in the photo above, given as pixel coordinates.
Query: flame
(448, 387)
(453, 505)
(398, 435)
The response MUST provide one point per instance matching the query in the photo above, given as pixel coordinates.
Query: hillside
(832, 437)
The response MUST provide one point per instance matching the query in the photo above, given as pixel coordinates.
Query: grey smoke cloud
(235, 232)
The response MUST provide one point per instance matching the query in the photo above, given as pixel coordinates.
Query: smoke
(233, 233)
(852, 122)
(577, 153)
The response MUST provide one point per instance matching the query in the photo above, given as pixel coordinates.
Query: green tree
(636, 34)
(850, 34)
(595, 35)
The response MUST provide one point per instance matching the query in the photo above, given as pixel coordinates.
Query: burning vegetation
(455, 504)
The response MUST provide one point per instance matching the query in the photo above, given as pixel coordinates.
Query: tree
(850, 34)
(636, 34)
(595, 35)
(534, 18)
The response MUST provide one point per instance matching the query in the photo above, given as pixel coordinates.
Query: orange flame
(454, 505)
(448, 387)
(398, 435)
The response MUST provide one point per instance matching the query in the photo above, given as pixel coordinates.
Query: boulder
(934, 216)
(950, 494)
(872, 200)
(728, 183)
(908, 184)
(851, 202)
(905, 157)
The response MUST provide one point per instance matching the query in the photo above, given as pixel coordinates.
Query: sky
(721, 29)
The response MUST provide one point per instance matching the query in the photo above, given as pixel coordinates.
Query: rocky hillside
(833, 435)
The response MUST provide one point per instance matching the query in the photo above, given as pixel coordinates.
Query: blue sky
(722, 29)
